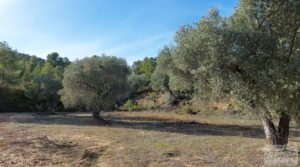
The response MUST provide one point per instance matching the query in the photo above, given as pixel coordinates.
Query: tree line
(96, 83)
(252, 56)
(29, 83)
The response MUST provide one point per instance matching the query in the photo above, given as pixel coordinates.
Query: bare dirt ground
(134, 139)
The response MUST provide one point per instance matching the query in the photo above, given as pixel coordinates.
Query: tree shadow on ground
(188, 127)
(145, 123)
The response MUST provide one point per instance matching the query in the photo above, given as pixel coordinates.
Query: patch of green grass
(161, 146)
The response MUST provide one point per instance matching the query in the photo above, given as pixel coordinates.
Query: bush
(130, 106)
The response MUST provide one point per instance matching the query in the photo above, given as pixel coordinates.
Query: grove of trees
(252, 56)
(29, 83)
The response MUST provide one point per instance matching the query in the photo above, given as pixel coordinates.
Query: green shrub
(130, 106)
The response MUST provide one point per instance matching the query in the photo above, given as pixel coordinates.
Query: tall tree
(7, 64)
(7, 72)
(252, 56)
(42, 80)
(95, 83)
(265, 43)
(160, 79)
(147, 67)
(55, 60)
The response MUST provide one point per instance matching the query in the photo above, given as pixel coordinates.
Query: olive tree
(264, 62)
(252, 56)
(161, 75)
(162, 78)
(137, 83)
(195, 55)
(95, 83)
(168, 76)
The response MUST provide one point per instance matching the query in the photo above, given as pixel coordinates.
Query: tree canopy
(95, 83)
(251, 56)
(28, 82)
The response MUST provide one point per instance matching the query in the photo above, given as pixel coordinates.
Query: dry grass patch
(131, 139)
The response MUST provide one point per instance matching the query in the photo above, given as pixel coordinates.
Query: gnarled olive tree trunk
(278, 136)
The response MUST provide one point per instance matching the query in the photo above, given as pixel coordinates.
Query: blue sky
(132, 29)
